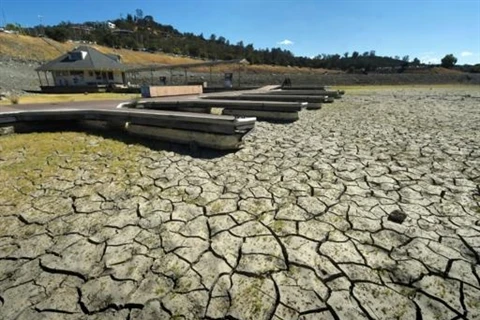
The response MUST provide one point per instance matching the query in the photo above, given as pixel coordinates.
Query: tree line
(141, 32)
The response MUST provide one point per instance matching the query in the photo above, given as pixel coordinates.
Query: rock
(6, 130)
(397, 216)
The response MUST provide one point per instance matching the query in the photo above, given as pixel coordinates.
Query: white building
(83, 69)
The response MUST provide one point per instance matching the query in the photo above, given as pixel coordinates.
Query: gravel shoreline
(18, 76)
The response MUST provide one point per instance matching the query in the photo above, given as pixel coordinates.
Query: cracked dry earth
(293, 226)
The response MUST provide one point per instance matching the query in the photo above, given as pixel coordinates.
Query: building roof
(74, 61)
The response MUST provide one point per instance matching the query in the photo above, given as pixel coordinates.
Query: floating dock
(273, 97)
(207, 130)
(333, 94)
(262, 110)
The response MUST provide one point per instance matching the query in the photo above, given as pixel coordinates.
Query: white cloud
(432, 60)
(466, 54)
(429, 58)
(286, 42)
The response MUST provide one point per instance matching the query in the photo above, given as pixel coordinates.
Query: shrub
(475, 68)
(449, 61)
(14, 99)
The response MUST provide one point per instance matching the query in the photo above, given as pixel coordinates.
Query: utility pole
(40, 17)
(4, 19)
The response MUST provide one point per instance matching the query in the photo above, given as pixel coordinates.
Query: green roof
(72, 61)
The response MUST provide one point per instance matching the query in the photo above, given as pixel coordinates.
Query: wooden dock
(207, 130)
(272, 97)
(262, 110)
(334, 94)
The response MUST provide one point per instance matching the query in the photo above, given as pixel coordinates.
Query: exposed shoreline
(296, 225)
(16, 76)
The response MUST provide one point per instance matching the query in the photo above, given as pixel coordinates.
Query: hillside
(139, 32)
(20, 55)
(43, 49)
(34, 49)
(141, 40)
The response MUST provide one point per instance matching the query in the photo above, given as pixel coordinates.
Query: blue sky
(424, 29)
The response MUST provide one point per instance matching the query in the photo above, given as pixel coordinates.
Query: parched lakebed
(365, 209)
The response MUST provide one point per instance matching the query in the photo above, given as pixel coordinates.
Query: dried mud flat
(297, 225)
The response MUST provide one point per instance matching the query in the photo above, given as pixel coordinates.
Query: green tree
(149, 20)
(475, 68)
(449, 61)
(139, 14)
(58, 33)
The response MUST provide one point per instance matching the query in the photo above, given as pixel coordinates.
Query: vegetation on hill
(139, 32)
(449, 61)
(40, 49)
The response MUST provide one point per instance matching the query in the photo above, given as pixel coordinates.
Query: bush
(14, 99)
(58, 33)
(449, 61)
(475, 68)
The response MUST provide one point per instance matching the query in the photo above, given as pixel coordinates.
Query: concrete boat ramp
(181, 119)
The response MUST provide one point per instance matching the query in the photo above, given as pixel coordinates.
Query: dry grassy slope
(43, 49)
(29, 48)
(435, 70)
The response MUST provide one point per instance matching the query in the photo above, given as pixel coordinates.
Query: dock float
(274, 97)
(305, 87)
(207, 130)
(333, 94)
(312, 87)
(262, 110)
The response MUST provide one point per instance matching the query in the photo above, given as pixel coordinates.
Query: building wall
(83, 78)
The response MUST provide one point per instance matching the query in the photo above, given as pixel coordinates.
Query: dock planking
(334, 94)
(213, 131)
(230, 104)
(273, 97)
(305, 87)
(262, 110)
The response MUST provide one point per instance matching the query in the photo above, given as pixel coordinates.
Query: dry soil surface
(303, 223)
